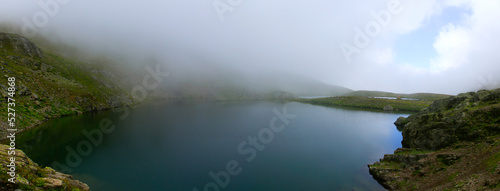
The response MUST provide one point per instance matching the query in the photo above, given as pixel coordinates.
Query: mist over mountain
(187, 78)
(195, 82)
(433, 46)
(218, 84)
(212, 81)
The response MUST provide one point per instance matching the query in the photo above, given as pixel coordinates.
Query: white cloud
(466, 50)
(381, 56)
(297, 36)
(470, 47)
(452, 46)
(414, 15)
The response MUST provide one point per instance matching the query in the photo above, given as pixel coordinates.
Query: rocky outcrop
(389, 169)
(19, 45)
(445, 145)
(388, 108)
(465, 117)
(30, 176)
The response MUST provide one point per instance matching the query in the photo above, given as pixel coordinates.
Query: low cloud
(300, 37)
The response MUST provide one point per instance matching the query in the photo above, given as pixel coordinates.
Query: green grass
(416, 172)
(413, 152)
(63, 86)
(420, 96)
(369, 103)
(39, 182)
(495, 186)
(493, 161)
(452, 177)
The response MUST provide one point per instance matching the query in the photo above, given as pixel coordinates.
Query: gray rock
(480, 95)
(450, 120)
(448, 159)
(52, 180)
(19, 45)
(34, 96)
(493, 95)
(384, 176)
(403, 158)
(401, 122)
(388, 108)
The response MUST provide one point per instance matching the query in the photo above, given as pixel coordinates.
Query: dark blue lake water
(241, 146)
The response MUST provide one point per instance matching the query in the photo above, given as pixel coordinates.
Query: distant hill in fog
(225, 84)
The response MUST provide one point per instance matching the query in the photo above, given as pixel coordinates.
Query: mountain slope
(53, 80)
(48, 85)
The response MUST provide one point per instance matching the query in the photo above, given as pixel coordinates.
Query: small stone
(22, 180)
(51, 182)
(388, 108)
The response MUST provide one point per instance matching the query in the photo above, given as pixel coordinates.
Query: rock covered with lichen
(452, 144)
(466, 117)
(30, 176)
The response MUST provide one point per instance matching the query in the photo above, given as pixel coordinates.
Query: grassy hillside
(49, 85)
(367, 100)
(369, 103)
(420, 96)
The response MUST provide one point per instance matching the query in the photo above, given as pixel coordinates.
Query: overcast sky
(447, 46)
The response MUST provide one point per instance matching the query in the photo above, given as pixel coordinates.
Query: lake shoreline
(38, 123)
(372, 104)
